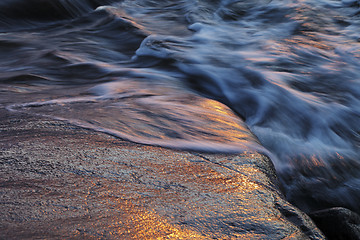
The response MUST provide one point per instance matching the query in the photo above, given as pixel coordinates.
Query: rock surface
(61, 181)
(338, 223)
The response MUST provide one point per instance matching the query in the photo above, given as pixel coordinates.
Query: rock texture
(338, 223)
(62, 181)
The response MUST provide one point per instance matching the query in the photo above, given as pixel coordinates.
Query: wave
(47, 10)
(154, 114)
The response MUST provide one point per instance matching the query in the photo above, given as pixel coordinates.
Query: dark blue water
(289, 69)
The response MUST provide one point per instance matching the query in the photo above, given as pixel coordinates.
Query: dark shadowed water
(289, 68)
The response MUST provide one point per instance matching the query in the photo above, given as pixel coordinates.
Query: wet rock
(62, 181)
(338, 223)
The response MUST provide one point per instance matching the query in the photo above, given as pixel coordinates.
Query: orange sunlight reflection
(225, 123)
(142, 224)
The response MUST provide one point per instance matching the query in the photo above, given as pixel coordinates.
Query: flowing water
(137, 68)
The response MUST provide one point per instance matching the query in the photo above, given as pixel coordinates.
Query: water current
(161, 72)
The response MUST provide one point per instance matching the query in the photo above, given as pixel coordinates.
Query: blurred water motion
(136, 69)
(152, 114)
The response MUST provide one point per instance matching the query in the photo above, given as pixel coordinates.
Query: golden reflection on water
(155, 117)
(313, 23)
(304, 42)
(215, 105)
(309, 162)
(226, 124)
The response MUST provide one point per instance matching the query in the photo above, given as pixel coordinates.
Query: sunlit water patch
(152, 114)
